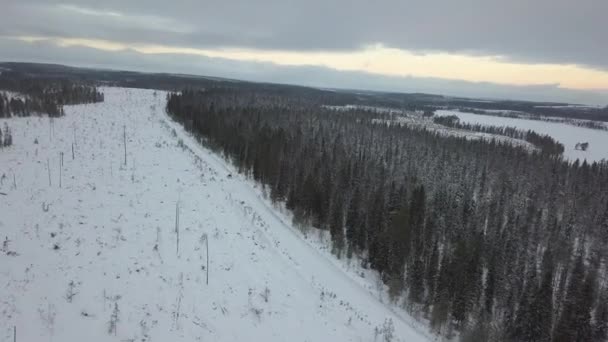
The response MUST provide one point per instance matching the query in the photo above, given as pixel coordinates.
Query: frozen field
(566, 134)
(95, 256)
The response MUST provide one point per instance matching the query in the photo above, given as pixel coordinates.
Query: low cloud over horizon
(543, 50)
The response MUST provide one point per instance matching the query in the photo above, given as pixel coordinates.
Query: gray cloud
(539, 31)
(12, 50)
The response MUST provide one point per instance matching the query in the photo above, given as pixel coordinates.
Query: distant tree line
(544, 142)
(478, 237)
(536, 110)
(594, 118)
(42, 96)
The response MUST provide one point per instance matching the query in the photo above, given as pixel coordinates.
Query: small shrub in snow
(6, 137)
(113, 320)
(257, 313)
(265, 295)
(70, 293)
(386, 331)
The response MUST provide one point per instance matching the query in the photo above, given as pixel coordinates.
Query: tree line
(543, 142)
(42, 96)
(478, 238)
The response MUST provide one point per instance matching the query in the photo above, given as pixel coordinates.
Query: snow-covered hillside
(94, 255)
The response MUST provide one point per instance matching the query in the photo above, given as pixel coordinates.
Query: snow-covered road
(97, 259)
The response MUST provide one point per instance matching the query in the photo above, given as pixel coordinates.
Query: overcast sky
(541, 49)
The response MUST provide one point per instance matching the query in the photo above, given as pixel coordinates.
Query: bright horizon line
(379, 60)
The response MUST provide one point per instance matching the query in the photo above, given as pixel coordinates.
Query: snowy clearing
(566, 134)
(95, 256)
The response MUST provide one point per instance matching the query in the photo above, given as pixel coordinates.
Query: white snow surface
(98, 232)
(566, 134)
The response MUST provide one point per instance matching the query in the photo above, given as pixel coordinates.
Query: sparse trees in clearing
(386, 332)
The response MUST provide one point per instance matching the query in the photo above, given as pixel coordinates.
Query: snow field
(98, 258)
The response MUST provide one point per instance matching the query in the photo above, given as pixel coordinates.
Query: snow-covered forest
(486, 239)
(25, 96)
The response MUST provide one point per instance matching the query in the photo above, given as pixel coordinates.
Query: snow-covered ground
(566, 134)
(98, 259)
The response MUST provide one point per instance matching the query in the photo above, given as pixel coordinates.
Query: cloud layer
(539, 31)
(306, 75)
(535, 37)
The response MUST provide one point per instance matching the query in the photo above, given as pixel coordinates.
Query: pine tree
(575, 320)
(541, 310)
(353, 219)
(336, 225)
(600, 327)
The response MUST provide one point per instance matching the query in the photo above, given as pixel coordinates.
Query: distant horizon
(311, 84)
(482, 48)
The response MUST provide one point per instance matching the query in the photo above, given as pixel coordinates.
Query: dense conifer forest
(479, 238)
(42, 95)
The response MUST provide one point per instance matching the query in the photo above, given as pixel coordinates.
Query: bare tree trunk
(124, 138)
(48, 167)
(177, 226)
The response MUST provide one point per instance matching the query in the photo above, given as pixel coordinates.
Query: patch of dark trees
(543, 142)
(478, 238)
(41, 95)
(581, 146)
